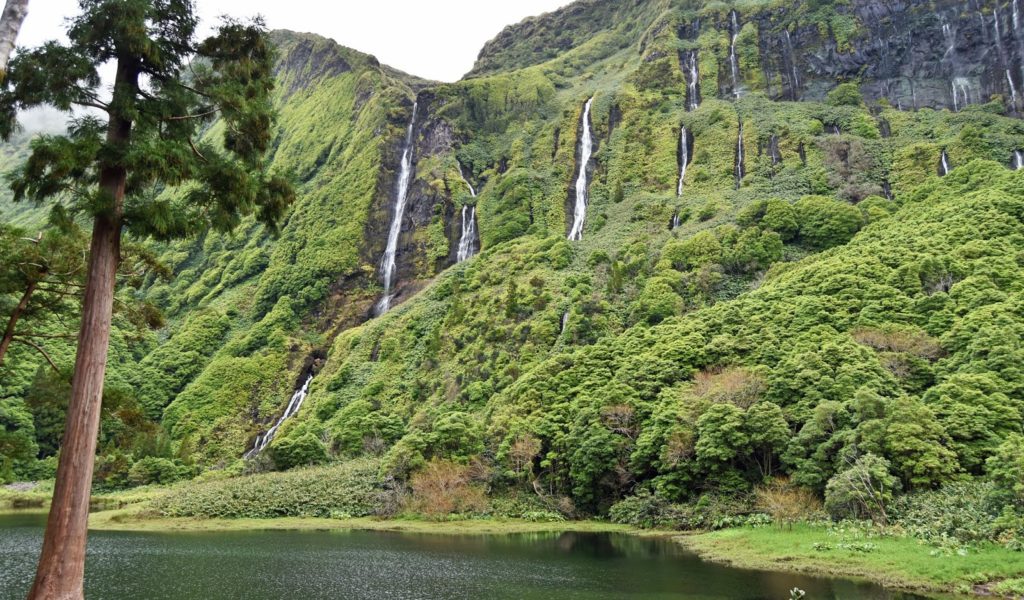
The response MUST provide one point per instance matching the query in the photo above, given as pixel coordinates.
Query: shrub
(845, 94)
(350, 488)
(151, 469)
(960, 511)
(302, 451)
(864, 490)
(786, 503)
(443, 487)
(1006, 469)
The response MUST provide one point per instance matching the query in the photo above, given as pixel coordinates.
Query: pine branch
(40, 350)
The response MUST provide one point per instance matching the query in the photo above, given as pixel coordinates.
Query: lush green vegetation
(837, 336)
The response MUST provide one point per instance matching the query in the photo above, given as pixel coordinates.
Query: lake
(258, 565)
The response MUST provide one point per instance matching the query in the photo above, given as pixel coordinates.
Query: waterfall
(693, 83)
(944, 163)
(586, 150)
(387, 263)
(1013, 89)
(676, 221)
(961, 92)
(740, 171)
(684, 157)
(1018, 160)
(950, 35)
(263, 440)
(795, 83)
(467, 243)
(1016, 19)
(468, 239)
(733, 61)
(565, 321)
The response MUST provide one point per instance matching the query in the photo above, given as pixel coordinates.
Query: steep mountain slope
(775, 270)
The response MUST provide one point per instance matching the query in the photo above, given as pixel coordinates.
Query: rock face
(432, 137)
(916, 54)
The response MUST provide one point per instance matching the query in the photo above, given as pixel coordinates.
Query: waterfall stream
(263, 440)
(944, 164)
(740, 171)
(684, 157)
(1018, 160)
(586, 150)
(693, 83)
(468, 239)
(401, 195)
(795, 84)
(733, 61)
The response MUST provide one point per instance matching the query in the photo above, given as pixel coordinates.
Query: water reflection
(340, 564)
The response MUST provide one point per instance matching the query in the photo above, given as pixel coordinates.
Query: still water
(257, 565)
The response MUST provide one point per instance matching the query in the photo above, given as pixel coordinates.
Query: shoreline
(897, 563)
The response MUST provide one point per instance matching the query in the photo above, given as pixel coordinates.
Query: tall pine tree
(115, 170)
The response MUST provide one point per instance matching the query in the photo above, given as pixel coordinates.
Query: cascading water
(740, 170)
(467, 242)
(387, 263)
(263, 440)
(944, 164)
(795, 83)
(734, 63)
(1018, 160)
(676, 221)
(693, 82)
(1004, 57)
(468, 239)
(684, 157)
(586, 150)
(961, 93)
(565, 321)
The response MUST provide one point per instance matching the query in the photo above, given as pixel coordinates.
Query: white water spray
(263, 440)
(961, 93)
(693, 89)
(1018, 160)
(684, 158)
(740, 156)
(468, 239)
(733, 61)
(944, 163)
(401, 195)
(586, 150)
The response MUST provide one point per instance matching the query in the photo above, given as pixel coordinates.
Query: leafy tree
(112, 172)
(825, 222)
(1006, 469)
(846, 94)
(864, 489)
(17, 437)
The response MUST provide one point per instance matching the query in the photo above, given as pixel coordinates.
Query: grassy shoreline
(893, 561)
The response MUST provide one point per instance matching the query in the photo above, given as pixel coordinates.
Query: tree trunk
(10, 24)
(62, 560)
(5, 343)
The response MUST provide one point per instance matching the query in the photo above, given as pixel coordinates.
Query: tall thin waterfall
(740, 170)
(387, 263)
(586, 150)
(1018, 160)
(944, 163)
(734, 63)
(684, 157)
(263, 440)
(692, 82)
(795, 83)
(677, 220)
(1003, 56)
(468, 239)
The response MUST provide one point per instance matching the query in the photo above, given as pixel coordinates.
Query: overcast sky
(436, 39)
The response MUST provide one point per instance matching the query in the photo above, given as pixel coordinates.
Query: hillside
(800, 247)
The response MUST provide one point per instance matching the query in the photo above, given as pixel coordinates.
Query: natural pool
(258, 565)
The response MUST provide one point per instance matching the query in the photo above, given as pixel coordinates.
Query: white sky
(436, 39)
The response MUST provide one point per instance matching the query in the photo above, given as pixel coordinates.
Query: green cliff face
(816, 291)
